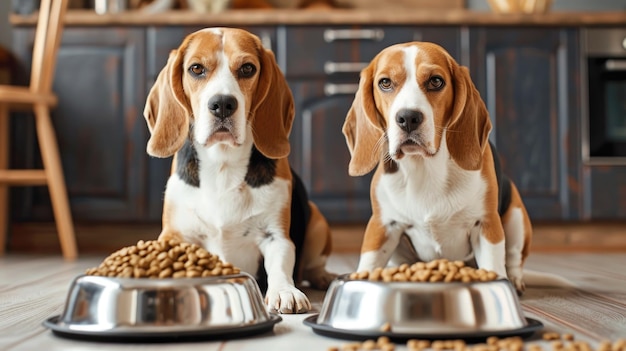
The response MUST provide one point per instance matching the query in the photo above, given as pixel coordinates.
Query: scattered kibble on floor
(558, 342)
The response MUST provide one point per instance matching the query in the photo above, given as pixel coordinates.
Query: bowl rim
(62, 329)
(532, 325)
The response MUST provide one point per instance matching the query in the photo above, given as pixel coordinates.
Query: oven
(604, 94)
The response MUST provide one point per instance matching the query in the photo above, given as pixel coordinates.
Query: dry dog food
(565, 343)
(383, 343)
(440, 270)
(162, 259)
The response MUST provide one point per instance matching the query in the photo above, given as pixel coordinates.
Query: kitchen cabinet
(100, 83)
(320, 156)
(529, 80)
(322, 68)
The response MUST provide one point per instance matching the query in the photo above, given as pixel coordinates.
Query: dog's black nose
(409, 120)
(222, 106)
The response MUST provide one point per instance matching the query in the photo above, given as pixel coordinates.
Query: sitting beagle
(222, 105)
(437, 191)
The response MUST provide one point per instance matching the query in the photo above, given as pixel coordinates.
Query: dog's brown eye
(197, 69)
(247, 70)
(435, 83)
(385, 84)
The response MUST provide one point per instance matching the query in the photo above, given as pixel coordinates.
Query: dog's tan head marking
(408, 96)
(223, 82)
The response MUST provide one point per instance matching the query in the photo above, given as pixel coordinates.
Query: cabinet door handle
(615, 65)
(331, 35)
(331, 89)
(344, 67)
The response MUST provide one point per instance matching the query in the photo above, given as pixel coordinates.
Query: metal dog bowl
(126, 309)
(361, 309)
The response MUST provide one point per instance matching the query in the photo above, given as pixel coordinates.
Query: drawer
(315, 50)
(161, 40)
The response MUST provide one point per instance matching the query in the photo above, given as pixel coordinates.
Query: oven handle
(615, 65)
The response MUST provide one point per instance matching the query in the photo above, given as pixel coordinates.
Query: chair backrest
(47, 39)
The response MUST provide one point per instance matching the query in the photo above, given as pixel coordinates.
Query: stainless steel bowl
(360, 308)
(127, 308)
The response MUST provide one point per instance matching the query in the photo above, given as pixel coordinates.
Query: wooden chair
(40, 98)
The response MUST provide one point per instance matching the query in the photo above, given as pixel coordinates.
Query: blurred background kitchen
(554, 81)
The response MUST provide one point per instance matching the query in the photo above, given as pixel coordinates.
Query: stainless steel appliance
(604, 95)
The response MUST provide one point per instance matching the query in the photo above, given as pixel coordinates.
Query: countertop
(33, 288)
(335, 17)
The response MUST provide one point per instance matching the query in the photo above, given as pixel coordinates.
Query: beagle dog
(223, 107)
(437, 191)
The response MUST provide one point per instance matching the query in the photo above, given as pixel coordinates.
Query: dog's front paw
(287, 299)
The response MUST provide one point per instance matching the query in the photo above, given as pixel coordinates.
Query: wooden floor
(34, 287)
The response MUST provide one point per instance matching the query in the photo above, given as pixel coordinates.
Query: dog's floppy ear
(273, 111)
(468, 130)
(167, 109)
(361, 128)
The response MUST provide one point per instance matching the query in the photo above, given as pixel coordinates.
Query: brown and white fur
(224, 108)
(418, 117)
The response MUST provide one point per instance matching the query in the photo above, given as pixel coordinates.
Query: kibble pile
(162, 259)
(440, 270)
(558, 342)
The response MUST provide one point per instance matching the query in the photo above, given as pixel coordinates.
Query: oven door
(607, 109)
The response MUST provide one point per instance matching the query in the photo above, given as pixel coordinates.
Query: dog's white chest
(227, 216)
(230, 206)
(439, 218)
